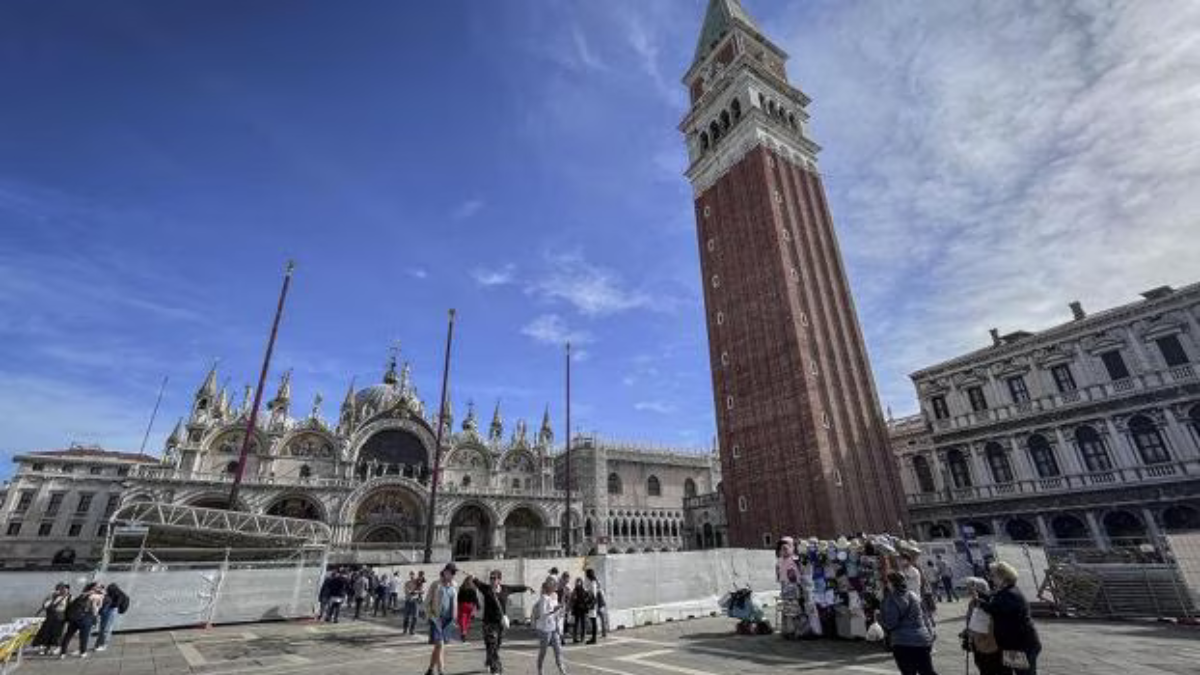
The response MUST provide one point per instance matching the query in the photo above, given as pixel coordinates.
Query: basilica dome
(378, 397)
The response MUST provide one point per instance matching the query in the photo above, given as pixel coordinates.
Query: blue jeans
(108, 621)
(84, 628)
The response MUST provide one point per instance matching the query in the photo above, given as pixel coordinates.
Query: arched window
(714, 132)
(1091, 447)
(231, 468)
(305, 471)
(587, 527)
(466, 481)
(703, 141)
(792, 120)
(614, 484)
(736, 107)
(762, 100)
(999, 464)
(202, 404)
(689, 488)
(724, 120)
(960, 473)
(1042, 455)
(674, 529)
(642, 529)
(1148, 441)
(653, 487)
(1194, 421)
(516, 483)
(771, 107)
(924, 474)
(624, 528)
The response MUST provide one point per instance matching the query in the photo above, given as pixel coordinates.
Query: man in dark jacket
(494, 596)
(336, 588)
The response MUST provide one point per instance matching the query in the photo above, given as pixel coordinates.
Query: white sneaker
(101, 648)
(83, 655)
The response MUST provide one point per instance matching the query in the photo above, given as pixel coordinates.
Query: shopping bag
(981, 622)
(1015, 660)
(875, 632)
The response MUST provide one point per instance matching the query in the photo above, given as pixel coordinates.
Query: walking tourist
(494, 596)
(49, 635)
(359, 587)
(338, 587)
(381, 596)
(441, 606)
(414, 591)
(1012, 624)
(564, 599)
(116, 602)
(468, 603)
(394, 591)
(546, 614)
(581, 603)
(909, 628)
(81, 617)
(595, 611)
(979, 637)
(946, 575)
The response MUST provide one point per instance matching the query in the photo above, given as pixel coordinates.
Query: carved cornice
(1120, 495)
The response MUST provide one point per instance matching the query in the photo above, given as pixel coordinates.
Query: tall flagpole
(567, 516)
(437, 450)
(262, 379)
(150, 424)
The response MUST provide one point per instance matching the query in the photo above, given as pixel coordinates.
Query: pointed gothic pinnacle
(469, 422)
(176, 437)
(389, 376)
(546, 418)
(209, 388)
(285, 386)
(348, 402)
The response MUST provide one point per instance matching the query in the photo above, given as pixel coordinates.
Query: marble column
(998, 529)
(1099, 536)
(1183, 446)
(1152, 529)
(1020, 461)
(979, 467)
(1119, 445)
(1068, 453)
(1044, 528)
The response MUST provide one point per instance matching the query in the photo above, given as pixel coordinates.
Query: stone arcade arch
(389, 513)
(1020, 529)
(1069, 528)
(524, 531)
(1124, 528)
(471, 529)
(294, 505)
(1181, 518)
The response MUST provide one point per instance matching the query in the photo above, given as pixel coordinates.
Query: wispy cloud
(553, 329)
(583, 54)
(591, 289)
(467, 209)
(1021, 156)
(503, 275)
(659, 407)
(418, 273)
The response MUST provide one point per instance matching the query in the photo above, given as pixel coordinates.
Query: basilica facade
(368, 475)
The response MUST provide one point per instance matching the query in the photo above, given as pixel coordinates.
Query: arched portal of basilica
(471, 530)
(390, 514)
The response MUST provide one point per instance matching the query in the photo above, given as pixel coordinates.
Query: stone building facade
(1084, 434)
(58, 503)
(805, 448)
(368, 476)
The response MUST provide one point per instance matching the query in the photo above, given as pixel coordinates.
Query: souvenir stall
(833, 589)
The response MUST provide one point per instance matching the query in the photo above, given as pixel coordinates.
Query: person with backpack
(909, 629)
(50, 633)
(81, 617)
(116, 602)
(582, 602)
(597, 610)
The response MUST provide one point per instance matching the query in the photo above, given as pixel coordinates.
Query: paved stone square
(699, 647)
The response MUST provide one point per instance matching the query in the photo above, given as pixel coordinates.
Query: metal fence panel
(267, 594)
(166, 598)
(1185, 551)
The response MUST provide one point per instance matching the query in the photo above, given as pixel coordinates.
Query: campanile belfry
(804, 450)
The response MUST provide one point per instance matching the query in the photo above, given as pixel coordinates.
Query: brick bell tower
(804, 450)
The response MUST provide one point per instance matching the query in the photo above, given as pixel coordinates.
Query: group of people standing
(97, 606)
(375, 590)
(559, 607)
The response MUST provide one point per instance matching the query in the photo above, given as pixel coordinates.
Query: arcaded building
(367, 475)
(804, 447)
(1085, 434)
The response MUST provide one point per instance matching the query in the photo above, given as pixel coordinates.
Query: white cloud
(592, 290)
(501, 276)
(552, 329)
(467, 209)
(660, 407)
(418, 273)
(989, 162)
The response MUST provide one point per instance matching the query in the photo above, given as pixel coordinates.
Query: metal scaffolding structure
(232, 524)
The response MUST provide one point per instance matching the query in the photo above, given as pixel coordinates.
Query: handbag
(1015, 659)
(981, 622)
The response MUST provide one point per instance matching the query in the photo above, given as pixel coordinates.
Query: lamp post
(567, 452)
(437, 451)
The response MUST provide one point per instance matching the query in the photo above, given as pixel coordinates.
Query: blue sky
(519, 161)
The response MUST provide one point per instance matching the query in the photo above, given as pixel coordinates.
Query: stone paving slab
(699, 647)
